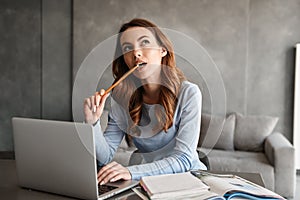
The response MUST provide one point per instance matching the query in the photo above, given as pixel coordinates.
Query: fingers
(102, 92)
(98, 99)
(98, 96)
(113, 172)
(93, 102)
(102, 102)
(105, 171)
(87, 102)
(94, 105)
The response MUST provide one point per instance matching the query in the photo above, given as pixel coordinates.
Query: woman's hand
(113, 172)
(93, 106)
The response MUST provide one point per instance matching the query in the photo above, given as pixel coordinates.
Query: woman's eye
(126, 48)
(145, 42)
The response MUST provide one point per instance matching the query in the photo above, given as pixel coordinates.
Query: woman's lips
(141, 66)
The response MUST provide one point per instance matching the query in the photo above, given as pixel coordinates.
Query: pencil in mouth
(124, 76)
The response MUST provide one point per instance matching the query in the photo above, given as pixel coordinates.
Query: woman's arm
(107, 142)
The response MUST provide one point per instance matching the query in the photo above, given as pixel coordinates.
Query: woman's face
(140, 46)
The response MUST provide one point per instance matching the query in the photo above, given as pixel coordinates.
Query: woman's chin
(141, 76)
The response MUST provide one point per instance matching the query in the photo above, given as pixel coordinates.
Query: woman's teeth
(142, 64)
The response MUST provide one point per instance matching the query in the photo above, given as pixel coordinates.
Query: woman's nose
(137, 53)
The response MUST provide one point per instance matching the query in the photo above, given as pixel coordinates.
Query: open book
(232, 186)
(206, 186)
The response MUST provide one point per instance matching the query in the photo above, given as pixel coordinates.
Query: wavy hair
(129, 93)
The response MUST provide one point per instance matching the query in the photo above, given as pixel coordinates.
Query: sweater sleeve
(107, 143)
(181, 158)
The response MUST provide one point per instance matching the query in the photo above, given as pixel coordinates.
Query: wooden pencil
(121, 79)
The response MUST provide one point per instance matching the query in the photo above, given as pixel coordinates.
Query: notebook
(59, 157)
(176, 186)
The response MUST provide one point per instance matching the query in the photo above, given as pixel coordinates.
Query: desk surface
(9, 188)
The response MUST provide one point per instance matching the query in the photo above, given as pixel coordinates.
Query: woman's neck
(151, 93)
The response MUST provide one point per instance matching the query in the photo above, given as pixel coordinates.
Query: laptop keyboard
(105, 188)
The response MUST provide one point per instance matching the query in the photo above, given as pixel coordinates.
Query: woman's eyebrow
(125, 43)
(140, 38)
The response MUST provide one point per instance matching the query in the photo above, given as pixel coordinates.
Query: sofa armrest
(281, 154)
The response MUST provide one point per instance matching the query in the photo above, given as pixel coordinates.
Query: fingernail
(94, 109)
(102, 182)
(112, 180)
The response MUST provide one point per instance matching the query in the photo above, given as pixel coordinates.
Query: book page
(223, 185)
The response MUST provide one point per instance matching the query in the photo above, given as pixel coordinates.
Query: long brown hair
(129, 93)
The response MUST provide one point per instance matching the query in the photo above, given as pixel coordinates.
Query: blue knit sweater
(162, 153)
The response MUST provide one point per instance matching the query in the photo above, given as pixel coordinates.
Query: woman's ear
(163, 52)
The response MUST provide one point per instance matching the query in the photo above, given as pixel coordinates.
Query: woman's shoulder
(189, 98)
(189, 89)
(117, 110)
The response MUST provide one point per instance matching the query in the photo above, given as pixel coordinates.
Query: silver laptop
(59, 157)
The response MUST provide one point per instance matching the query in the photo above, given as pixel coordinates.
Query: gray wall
(35, 54)
(251, 42)
(20, 55)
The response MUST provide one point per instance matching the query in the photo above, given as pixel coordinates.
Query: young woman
(156, 105)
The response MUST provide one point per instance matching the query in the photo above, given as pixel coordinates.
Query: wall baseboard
(7, 155)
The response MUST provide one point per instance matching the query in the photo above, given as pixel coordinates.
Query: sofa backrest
(236, 131)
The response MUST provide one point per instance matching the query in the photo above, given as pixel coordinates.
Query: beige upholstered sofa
(249, 144)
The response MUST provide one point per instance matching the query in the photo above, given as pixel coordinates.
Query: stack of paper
(175, 186)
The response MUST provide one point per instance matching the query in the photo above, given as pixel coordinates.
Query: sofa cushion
(251, 131)
(217, 132)
(241, 161)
